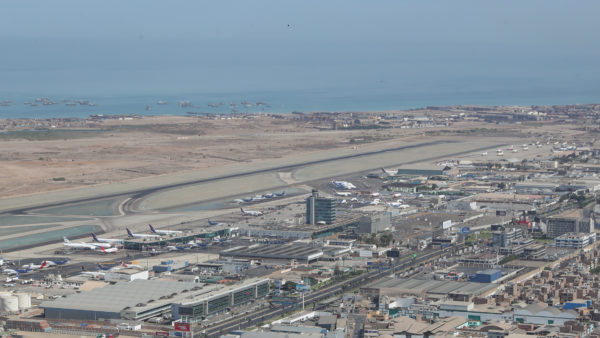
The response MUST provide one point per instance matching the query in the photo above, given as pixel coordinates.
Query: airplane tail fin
(152, 228)
(43, 265)
(66, 240)
(95, 237)
(103, 249)
(242, 209)
(129, 232)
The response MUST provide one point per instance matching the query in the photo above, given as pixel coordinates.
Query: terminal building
(274, 253)
(217, 301)
(143, 299)
(320, 209)
(145, 244)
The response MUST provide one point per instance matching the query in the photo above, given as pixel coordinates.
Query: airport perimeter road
(142, 187)
(265, 314)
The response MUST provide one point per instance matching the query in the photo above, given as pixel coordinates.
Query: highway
(262, 315)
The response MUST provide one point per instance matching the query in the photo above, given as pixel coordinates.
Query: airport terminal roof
(413, 285)
(301, 252)
(114, 298)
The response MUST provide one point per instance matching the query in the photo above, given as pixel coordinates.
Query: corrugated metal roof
(114, 298)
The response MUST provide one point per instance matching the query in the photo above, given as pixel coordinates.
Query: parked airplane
(389, 172)
(132, 235)
(107, 268)
(106, 240)
(238, 201)
(342, 193)
(78, 246)
(375, 201)
(32, 266)
(215, 223)
(343, 185)
(109, 250)
(10, 272)
(93, 274)
(126, 265)
(23, 270)
(251, 212)
(176, 248)
(52, 263)
(164, 232)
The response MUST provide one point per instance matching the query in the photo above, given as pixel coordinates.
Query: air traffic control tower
(320, 209)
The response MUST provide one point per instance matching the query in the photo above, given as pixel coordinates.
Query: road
(262, 315)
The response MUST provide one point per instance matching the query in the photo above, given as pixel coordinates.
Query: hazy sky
(146, 45)
(391, 21)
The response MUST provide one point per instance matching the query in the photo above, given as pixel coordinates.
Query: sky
(521, 22)
(266, 45)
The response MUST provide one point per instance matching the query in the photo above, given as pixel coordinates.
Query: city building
(320, 209)
(374, 223)
(506, 237)
(574, 240)
(566, 222)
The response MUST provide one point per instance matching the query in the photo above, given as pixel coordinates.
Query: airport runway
(21, 205)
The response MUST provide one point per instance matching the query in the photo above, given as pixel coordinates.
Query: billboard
(182, 327)
(302, 287)
(365, 253)
(447, 224)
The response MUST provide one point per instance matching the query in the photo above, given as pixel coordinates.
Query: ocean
(131, 77)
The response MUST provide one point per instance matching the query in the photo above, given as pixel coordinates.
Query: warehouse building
(487, 276)
(398, 287)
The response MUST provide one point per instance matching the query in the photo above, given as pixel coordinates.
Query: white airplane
(343, 185)
(126, 265)
(10, 272)
(238, 201)
(94, 274)
(251, 212)
(79, 246)
(375, 202)
(132, 235)
(164, 232)
(33, 266)
(374, 194)
(484, 153)
(215, 223)
(106, 240)
(342, 193)
(389, 172)
(109, 250)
